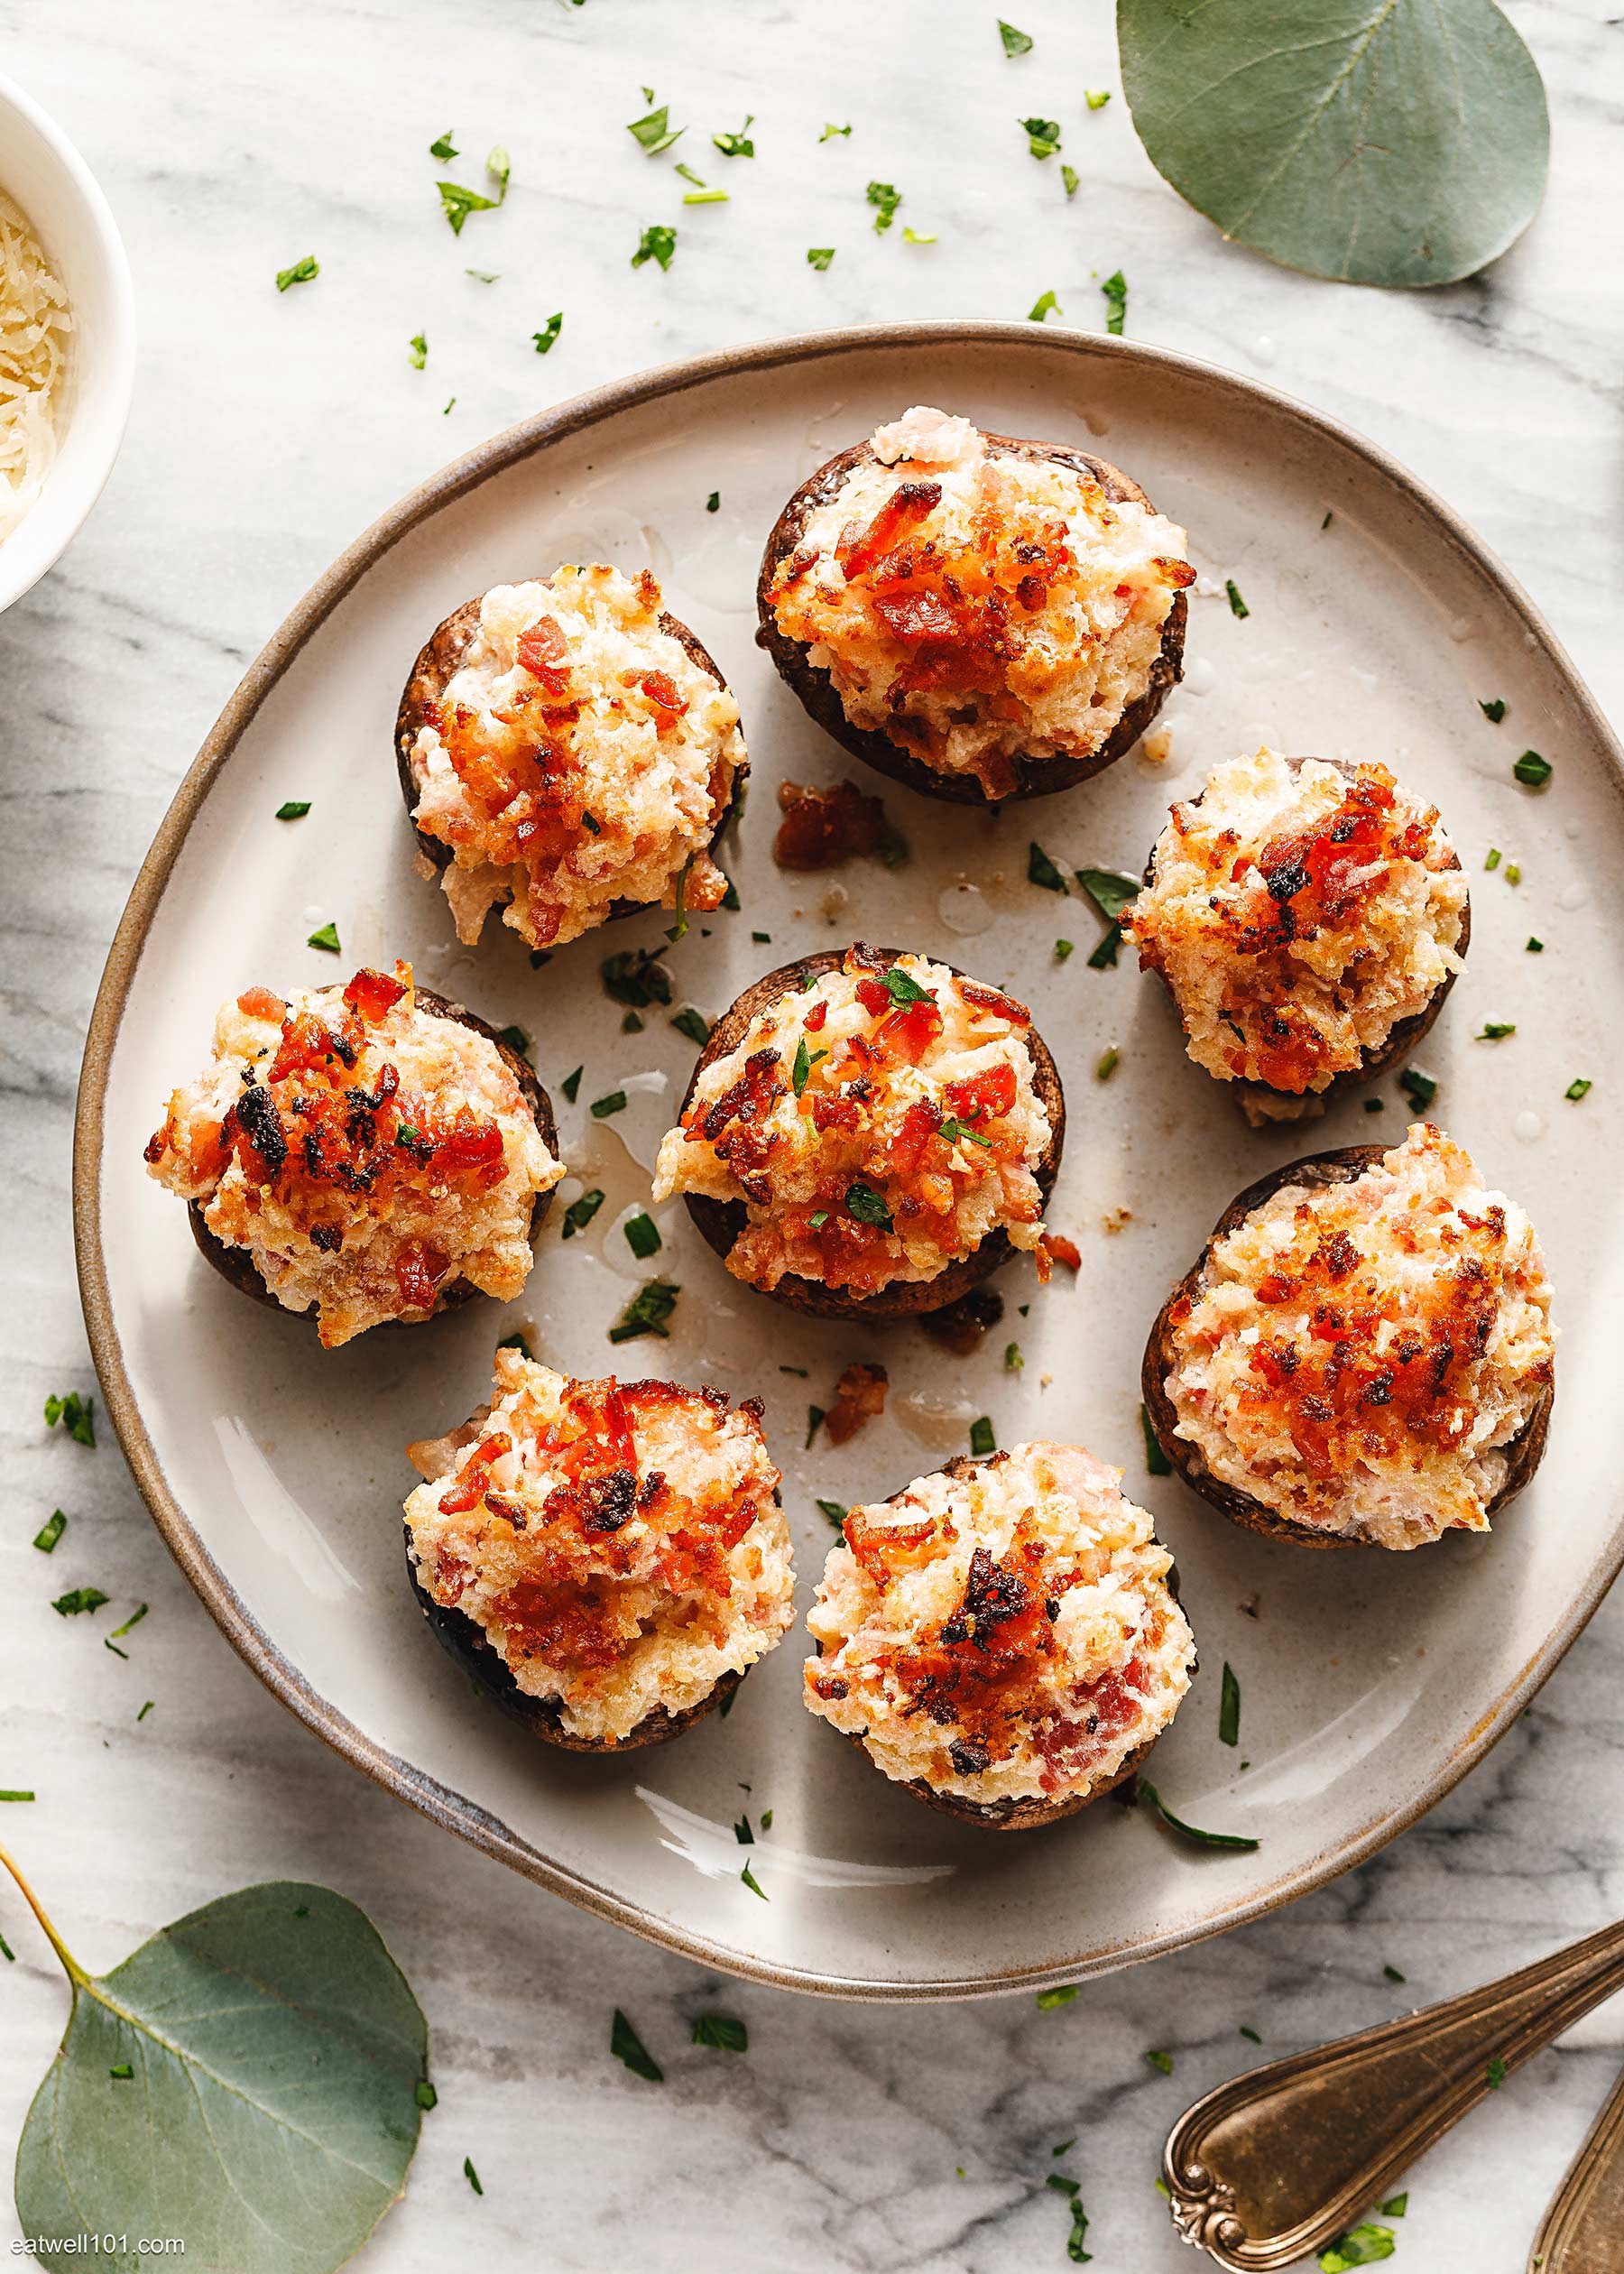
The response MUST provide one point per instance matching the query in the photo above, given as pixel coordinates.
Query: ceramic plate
(1370, 1682)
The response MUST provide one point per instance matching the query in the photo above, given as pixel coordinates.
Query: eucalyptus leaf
(1373, 142)
(270, 2111)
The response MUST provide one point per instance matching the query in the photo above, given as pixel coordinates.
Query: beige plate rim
(230, 1614)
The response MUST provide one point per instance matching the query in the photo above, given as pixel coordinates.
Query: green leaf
(1115, 289)
(79, 1599)
(417, 352)
(693, 1023)
(721, 2032)
(1361, 2246)
(836, 1511)
(1418, 1087)
(1147, 1791)
(655, 132)
(1532, 771)
(642, 1235)
(736, 144)
(471, 2176)
(302, 273)
(749, 1878)
(1494, 710)
(815, 1415)
(1109, 890)
(51, 1531)
(647, 1312)
(276, 2051)
(1043, 135)
(456, 203)
(571, 1084)
(1061, 1994)
(549, 333)
(866, 1206)
(76, 1415)
(636, 976)
(1045, 304)
(601, 1107)
(886, 199)
(1041, 870)
(1229, 1708)
(1238, 606)
(1072, 179)
(516, 1039)
(626, 2046)
(818, 256)
(293, 810)
(1576, 1090)
(1395, 2207)
(1373, 142)
(805, 1060)
(1160, 2060)
(829, 132)
(444, 149)
(326, 938)
(580, 1212)
(657, 242)
(983, 1438)
(1014, 42)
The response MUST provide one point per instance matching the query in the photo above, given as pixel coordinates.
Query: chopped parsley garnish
(916, 237)
(571, 1084)
(471, 2176)
(1395, 2207)
(1374, 1105)
(1072, 2191)
(1534, 948)
(730, 899)
(736, 145)
(1045, 304)
(1014, 42)
(6, 1951)
(1063, 948)
(1577, 1089)
(1361, 2246)
(456, 203)
(815, 1415)
(885, 199)
(16, 1795)
(902, 988)
(1096, 97)
(631, 1023)
(983, 1438)
(1393, 1974)
(829, 132)
(864, 1203)
(657, 242)
(713, 504)
(679, 930)
(629, 2047)
(580, 1212)
(1072, 179)
(1532, 771)
(76, 1415)
(818, 256)
(516, 1341)
(766, 1819)
(122, 2071)
(425, 2094)
(818, 1219)
(958, 1131)
(1237, 606)
(450, 406)
(516, 1038)
(1493, 860)
(749, 1878)
(706, 197)
(293, 810)
(1043, 135)
(763, 939)
(590, 822)
(1147, 1791)
(1061, 1994)
(801, 1371)
(1155, 1461)
(1115, 289)
(146, 1709)
(499, 166)
(483, 276)
(417, 351)
(1493, 711)
(1229, 1708)
(743, 1833)
(1251, 2034)
(443, 148)
(1418, 1087)
(51, 1531)
(133, 1620)
(1513, 874)
(1496, 1030)
(835, 1512)
(642, 1235)
(655, 132)
(636, 976)
(1108, 1062)
(1110, 893)
(1041, 870)
(549, 333)
(1160, 2060)
(614, 1102)
(302, 273)
(647, 1312)
(805, 1060)
(894, 852)
(79, 1599)
(693, 1023)
(689, 174)
(326, 938)
(722, 2033)
(1013, 1361)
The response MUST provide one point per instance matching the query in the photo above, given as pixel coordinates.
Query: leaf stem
(70, 1966)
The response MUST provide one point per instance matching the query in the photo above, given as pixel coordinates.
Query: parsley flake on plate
(713, 504)
(327, 939)
(1160, 2060)
(1238, 606)
(626, 2046)
(1063, 948)
(1061, 1994)
(443, 148)
(722, 2033)
(656, 133)
(1043, 135)
(885, 199)
(1096, 97)
(613, 1103)
(456, 203)
(417, 352)
(571, 1084)
(642, 1235)
(1045, 304)
(1014, 42)
(580, 1212)
(916, 237)
(749, 1878)
(51, 1531)
(293, 808)
(76, 1415)
(836, 1511)
(657, 243)
(302, 273)
(637, 977)
(1041, 870)
(693, 1023)
(1361, 2245)
(818, 256)
(735, 145)
(1418, 1087)
(1532, 771)
(1494, 710)
(1013, 1361)
(829, 132)
(78, 1599)
(1496, 1030)
(1229, 1708)
(983, 1438)
(1107, 1064)
(1576, 1090)
(647, 1312)
(1115, 289)
(815, 1415)
(1147, 1791)
(1072, 179)
(547, 336)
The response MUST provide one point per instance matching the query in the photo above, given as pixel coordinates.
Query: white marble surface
(268, 430)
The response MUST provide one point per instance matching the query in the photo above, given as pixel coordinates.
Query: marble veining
(267, 431)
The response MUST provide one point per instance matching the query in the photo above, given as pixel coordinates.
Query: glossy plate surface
(1370, 1682)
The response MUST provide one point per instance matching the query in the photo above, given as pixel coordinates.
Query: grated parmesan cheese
(34, 323)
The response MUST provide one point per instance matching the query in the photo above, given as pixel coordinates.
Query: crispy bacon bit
(373, 995)
(992, 1593)
(1063, 1251)
(544, 652)
(959, 1326)
(814, 1020)
(858, 1395)
(984, 1096)
(1002, 1006)
(920, 1124)
(823, 828)
(259, 1002)
(661, 690)
(419, 1267)
(910, 1031)
(908, 503)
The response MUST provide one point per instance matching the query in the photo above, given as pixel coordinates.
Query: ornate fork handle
(1582, 2233)
(1275, 2164)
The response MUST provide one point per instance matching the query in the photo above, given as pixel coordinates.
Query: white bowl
(42, 171)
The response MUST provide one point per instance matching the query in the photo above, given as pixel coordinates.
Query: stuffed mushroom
(1362, 1355)
(369, 1152)
(978, 616)
(1308, 916)
(606, 1559)
(868, 1134)
(1002, 1639)
(567, 750)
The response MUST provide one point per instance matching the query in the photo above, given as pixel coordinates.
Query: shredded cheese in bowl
(35, 320)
